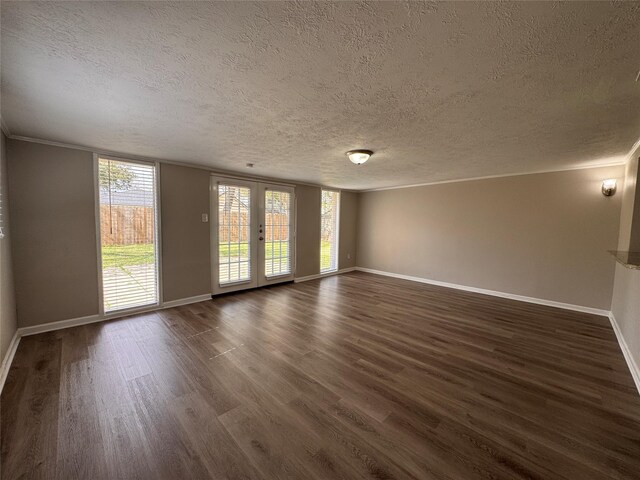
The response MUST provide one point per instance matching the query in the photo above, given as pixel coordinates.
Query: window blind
(277, 245)
(128, 234)
(329, 231)
(234, 234)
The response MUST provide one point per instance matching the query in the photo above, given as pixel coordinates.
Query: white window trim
(333, 270)
(158, 238)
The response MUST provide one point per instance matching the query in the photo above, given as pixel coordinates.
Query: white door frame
(157, 234)
(256, 246)
(216, 288)
(262, 277)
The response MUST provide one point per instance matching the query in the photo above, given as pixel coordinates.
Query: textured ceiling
(439, 90)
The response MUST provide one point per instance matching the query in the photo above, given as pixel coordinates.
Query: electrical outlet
(205, 217)
(348, 256)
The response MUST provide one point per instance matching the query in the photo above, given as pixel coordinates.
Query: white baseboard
(74, 322)
(521, 298)
(307, 278)
(186, 301)
(322, 275)
(8, 359)
(631, 363)
(628, 356)
(48, 327)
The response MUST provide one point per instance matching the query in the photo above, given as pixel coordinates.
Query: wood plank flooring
(354, 376)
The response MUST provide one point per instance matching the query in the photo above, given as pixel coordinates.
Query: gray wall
(308, 201)
(348, 229)
(186, 253)
(628, 191)
(626, 293)
(51, 196)
(52, 202)
(544, 236)
(308, 230)
(8, 322)
(633, 196)
(185, 239)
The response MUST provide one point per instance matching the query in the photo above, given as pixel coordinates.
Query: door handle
(261, 238)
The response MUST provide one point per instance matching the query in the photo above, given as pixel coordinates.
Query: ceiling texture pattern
(440, 91)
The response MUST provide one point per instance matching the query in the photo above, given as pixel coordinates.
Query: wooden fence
(233, 227)
(126, 225)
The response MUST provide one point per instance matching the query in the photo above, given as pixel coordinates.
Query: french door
(252, 234)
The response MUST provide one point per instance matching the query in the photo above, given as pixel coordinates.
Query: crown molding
(504, 175)
(636, 147)
(213, 170)
(623, 161)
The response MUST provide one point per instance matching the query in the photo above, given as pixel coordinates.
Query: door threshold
(238, 292)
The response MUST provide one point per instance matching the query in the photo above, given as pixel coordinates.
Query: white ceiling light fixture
(609, 187)
(359, 156)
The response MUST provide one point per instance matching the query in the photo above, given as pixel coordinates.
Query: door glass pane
(128, 234)
(277, 217)
(234, 234)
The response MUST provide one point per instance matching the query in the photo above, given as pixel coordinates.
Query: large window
(128, 234)
(329, 218)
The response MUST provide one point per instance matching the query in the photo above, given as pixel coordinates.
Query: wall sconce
(609, 187)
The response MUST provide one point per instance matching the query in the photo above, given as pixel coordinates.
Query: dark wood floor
(353, 376)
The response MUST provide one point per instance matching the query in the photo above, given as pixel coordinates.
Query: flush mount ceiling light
(359, 156)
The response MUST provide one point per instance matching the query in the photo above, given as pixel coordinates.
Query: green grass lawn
(124, 255)
(242, 250)
(234, 250)
(142, 254)
(325, 255)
